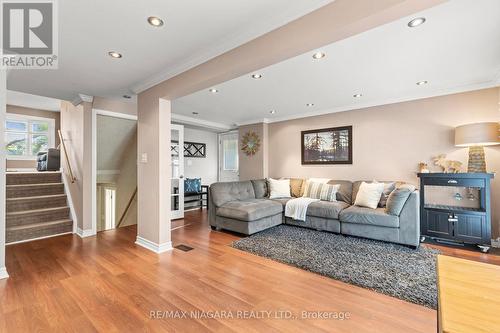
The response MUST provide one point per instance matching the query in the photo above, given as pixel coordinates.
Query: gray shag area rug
(391, 269)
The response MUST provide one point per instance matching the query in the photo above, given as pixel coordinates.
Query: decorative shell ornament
(250, 143)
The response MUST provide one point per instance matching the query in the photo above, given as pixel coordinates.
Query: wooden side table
(469, 296)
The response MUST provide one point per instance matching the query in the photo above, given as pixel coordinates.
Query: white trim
(38, 238)
(185, 120)
(115, 114)
(108, 172)
(151, 246)
(3, 273)
(30, 101)
(85, 233)
(380, 102)
(495, 242)
(93, 172)
(70, 200)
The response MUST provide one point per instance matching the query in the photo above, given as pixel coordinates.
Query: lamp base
(477, 160)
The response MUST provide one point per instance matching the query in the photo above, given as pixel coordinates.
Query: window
(25, 136)
(230, 152)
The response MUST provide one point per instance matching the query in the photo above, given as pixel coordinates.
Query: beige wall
(3, 89)
(256, 166)
(76, 127)
(121, 106)
(13, 164)
(390, 140)
(126, 184)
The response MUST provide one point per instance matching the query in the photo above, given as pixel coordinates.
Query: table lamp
(476, 136)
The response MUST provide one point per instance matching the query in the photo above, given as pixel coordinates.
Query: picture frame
(327, 146)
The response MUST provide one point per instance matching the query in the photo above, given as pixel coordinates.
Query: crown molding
(387, 101)
(226, 44)
(26, 100)
(82, 98)
(211, 125)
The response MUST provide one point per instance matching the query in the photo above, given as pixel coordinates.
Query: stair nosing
(38, 224)
(41, 210)
(35, 184)
(37, 197)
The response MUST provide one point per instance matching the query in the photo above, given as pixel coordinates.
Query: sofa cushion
(250, 210)
(231, 191)
(362, 215)
(260, 188)
(282, 201)
(345, 191)
(326, 209)
(357, 184)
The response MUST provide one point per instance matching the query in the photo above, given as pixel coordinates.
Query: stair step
(30, 190)
(37, 230)
(38, 202)
(23, 178)
(36, 216)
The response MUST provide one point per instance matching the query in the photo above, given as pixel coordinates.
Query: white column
(3, 88)
(154, 172)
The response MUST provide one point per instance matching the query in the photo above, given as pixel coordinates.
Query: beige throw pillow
(369, 195)
(279, 188)
(296, 185)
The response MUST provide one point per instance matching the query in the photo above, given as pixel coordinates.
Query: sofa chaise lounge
(244, 207)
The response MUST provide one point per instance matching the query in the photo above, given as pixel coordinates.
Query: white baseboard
(3, 273)
(151, 246)
(84, 233)
(495, 242)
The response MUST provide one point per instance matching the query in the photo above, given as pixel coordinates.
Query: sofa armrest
(409, 220)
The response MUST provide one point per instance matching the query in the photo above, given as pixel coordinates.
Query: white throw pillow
(279, 188)
(313, 180)
(369, 195)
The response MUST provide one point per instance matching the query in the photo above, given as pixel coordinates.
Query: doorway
(228, 157)
(177, 166)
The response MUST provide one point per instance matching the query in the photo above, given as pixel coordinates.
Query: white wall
(204, 168)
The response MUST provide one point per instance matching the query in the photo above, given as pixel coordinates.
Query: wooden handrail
(126, 209)
(72, 177)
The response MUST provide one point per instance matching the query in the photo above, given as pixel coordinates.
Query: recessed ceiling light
(272, 111)
(310, 104)
(114, 54)
(155, 21)
(257, 76)
(357, 95)
(195, 113)
(213, 90)
(319, 55)
(420, 83)
(127, 96)
(416, 22)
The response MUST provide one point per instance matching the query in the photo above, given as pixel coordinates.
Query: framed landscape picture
(327, 146)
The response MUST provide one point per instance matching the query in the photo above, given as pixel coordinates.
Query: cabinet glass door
(177, 180)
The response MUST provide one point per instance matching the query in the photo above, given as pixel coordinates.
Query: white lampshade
(478, 134)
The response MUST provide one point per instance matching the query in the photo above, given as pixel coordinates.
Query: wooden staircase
(36, 206)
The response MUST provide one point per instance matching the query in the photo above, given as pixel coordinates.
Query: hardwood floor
(108, 284)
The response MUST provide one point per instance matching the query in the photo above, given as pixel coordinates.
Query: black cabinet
(462, 212)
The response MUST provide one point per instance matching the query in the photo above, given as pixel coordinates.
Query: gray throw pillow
(397, 199)
(388, 188)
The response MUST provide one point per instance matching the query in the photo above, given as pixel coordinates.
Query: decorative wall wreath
(250, 143)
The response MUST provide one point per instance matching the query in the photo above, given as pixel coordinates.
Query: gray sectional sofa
(244, 207)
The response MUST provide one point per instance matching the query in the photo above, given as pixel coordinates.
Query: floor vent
(183, 247)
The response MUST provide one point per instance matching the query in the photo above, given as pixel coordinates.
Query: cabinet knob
(452, 181)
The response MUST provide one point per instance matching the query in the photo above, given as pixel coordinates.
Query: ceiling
(456, 49)
(194, 32)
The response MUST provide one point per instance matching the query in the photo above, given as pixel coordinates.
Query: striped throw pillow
(325, 192)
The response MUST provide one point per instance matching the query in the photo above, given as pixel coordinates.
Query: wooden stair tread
(36, 225)
(42, 210)
(37, 197)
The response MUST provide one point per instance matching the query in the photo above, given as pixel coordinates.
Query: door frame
(179, 214)
(93, 175)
